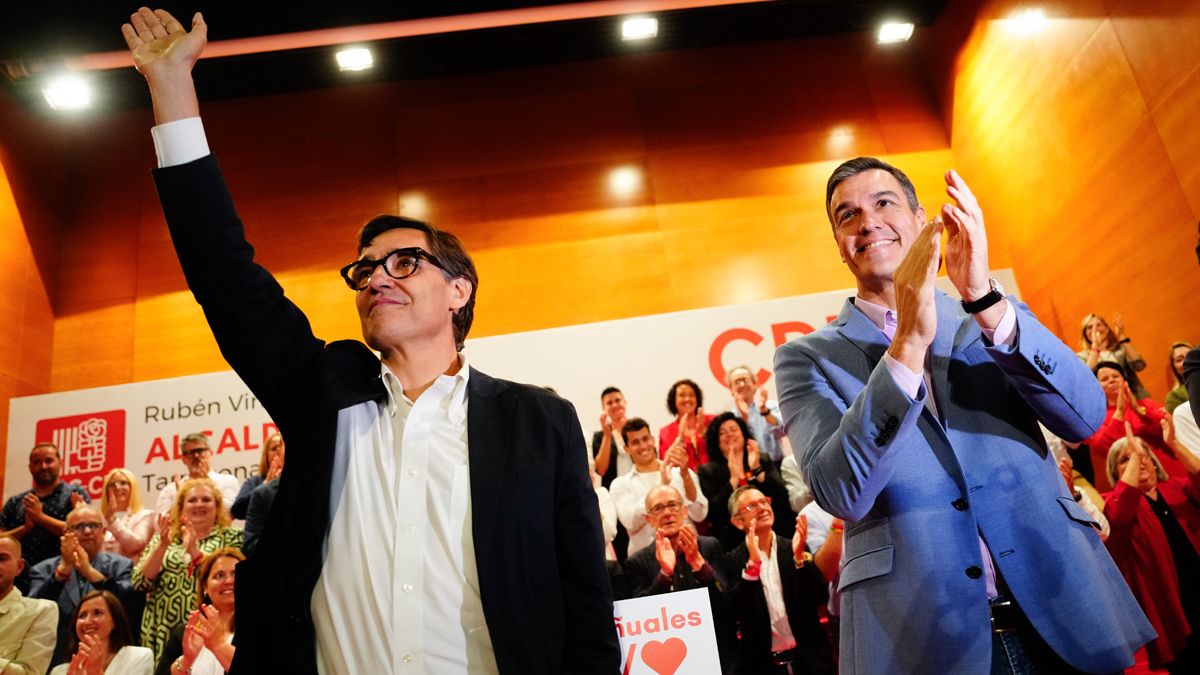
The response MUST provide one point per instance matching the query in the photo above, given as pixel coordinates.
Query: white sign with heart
(667, 634)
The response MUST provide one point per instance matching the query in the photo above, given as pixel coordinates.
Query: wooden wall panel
(733, 146)
(1080, 141)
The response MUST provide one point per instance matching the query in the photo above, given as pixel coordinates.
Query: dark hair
(633, 424)
(1109, 364)
(205, 569)
(858, 165)
(671, 395)
(712, 436)
(121, 635)
(607, 391)
(453, 258)
(45, 444)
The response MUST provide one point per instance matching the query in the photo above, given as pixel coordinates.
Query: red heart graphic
(664, 657)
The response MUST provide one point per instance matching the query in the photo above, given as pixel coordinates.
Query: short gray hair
(200, 438)
(1114, 458)
(733, 498)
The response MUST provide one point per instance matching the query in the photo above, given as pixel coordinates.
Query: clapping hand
(752, 539)
(800, 537)
(689, 545)
(89, 659)
(664, 551)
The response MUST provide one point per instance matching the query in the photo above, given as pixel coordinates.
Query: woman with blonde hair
(1101, 343)
(128, 526)
(197, 524)
(270, 465)
(1179, 393)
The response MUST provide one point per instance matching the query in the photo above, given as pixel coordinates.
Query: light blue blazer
(916, 493)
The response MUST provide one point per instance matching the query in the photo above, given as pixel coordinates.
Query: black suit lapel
(489, 413)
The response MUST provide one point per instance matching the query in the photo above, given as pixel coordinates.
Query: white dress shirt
(399, 588)
(629, 494)
(781, 630)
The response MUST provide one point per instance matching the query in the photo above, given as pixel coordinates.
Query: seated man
(81, 569)
(629, 491)
(195, 453)
(26, 624)
(679, 559)
(778, 599)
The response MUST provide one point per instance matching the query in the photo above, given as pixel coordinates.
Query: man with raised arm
(432, 519)
(915, 419)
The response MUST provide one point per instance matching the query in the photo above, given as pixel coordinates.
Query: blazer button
(974, 572)
(960, 504)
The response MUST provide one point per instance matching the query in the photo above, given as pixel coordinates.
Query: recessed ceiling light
(625, 181)
(357, 58)
(639, 28)
(68, 92)
(1029, 21)
(894, 31)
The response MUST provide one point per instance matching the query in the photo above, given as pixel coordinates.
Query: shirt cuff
(180, 142)
(908, 381)
(1005, 332)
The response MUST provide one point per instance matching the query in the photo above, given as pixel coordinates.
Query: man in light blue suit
(915, 418)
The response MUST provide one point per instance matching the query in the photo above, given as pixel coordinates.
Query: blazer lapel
(489, 412)
(858, 329)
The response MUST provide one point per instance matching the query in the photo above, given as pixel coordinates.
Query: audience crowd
(713, 501)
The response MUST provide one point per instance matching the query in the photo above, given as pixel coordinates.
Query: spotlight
(625, 181)
(894, 31)
(1029, 21)
(68, 92)
(358, 58)
(639, 28)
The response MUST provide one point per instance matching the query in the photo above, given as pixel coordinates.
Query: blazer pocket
(869, 565)
(1075, 512)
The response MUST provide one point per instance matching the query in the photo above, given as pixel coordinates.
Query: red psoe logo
(91, 445)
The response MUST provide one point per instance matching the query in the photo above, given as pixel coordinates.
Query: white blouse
(128, 533)
(130, 660)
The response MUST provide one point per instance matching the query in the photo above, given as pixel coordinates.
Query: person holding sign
(432, 519)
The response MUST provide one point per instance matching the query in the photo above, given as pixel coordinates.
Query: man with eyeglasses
(779, 596)
(762, 416)
(432, 519)
(680, 559)
(36, 517)
(80, 569)
(195, 452)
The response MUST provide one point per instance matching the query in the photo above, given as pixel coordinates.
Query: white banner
(667, 634)
(138, 425)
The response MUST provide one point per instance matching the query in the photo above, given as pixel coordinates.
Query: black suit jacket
(804, 592)
(259, 505)
(535, 520)
(643, 572)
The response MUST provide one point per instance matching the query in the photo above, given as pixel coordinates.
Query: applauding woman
(205, 645)
(739, 463)
(103, 643)
(1100, 343)
(1145, 416)
(1155, 541)
(128, 526)
(685, 401)
(198, 524)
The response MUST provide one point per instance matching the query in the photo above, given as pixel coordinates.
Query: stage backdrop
(138, 425)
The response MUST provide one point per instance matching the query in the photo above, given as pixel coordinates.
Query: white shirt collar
(455, 385)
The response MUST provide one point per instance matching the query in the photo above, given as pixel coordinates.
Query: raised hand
(211, 627)
(742, 406)
(275, 468)
(606, 424)
(800, 536)
(1118, 326)
(753, 453)
(915, 307)
(76, 500)
(752, 539)
(761, 397)
(1168, 430)
(162, 525)
(1129, 475)
(93, 655)
(689, 545)
(33, 507)
(188, 534)
(1122, 402)
(664, 552)
(193, 640)
(1068, 473)
(677, 456)
(160, 45)
(966, 243)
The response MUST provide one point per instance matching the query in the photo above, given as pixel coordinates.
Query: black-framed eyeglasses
(83, 527)
(658, 509)
(399, 264)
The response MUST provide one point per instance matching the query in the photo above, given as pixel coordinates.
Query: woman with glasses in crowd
(198, 524)
(102, 642)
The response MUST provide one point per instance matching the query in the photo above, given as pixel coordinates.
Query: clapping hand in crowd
(799, 537)
(89, 660)
(664, 552)
(689, 546)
